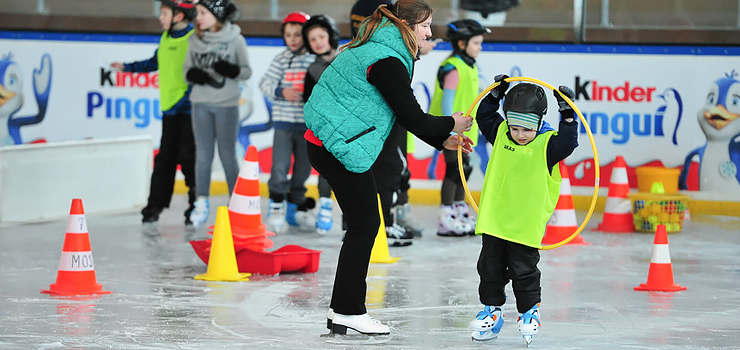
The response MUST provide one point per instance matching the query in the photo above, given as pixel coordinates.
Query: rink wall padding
(39, 181)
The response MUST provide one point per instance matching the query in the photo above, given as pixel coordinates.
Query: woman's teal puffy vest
(347, 113)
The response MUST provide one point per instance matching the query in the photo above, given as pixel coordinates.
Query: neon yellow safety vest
(465, 94)
(170, 58)
(519, 194)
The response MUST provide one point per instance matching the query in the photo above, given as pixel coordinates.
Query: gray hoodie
(227, 44)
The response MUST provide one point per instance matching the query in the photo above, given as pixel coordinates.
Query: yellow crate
(652, 209)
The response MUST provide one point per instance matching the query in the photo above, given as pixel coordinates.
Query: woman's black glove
(226, 69)
(197, 76)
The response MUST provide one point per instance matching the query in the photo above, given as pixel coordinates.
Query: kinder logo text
(592, 90)
(127, 79)
(634, 118)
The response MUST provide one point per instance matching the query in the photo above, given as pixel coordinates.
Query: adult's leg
(357, 197)
(204, 132)
(387, 171)
(227, 124)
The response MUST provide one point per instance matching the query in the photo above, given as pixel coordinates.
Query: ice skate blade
(356, 339)
(487, 336)
(528, 339)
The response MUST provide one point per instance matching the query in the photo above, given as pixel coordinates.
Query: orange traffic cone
(76, 273)
(660, 274)
(563, 221)
(618, 209)
(244, 206)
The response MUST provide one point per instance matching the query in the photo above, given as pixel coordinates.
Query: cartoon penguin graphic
(11, 97)
(719, 158)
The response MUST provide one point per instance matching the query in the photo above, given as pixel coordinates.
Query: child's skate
(529, 323)
(487, 323)
(355, 329)
(324, 220)
(276, 217)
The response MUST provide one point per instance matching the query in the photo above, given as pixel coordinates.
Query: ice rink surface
(427, 298)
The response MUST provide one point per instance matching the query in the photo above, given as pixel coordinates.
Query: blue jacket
(345, 111)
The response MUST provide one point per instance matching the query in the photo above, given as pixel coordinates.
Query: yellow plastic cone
(222, 260)
(380, 254)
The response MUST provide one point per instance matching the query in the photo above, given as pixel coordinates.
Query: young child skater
(372, 77)
(176, 145)
(217, 60)
(321, 35)
(520, 190)
(283, 85)
(456, 88)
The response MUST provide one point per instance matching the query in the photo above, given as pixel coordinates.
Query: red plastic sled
(290, 258)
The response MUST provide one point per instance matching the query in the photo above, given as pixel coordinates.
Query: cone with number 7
(76, 273)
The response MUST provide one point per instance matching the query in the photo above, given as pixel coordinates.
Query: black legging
(356, 195)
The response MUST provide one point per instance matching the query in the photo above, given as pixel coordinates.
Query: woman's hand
(462, 123)
(454, 141)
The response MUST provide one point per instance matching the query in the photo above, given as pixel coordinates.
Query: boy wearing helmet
(456, 88)
(321, 35)
(177, 146)
(520, 190)
(283, 85)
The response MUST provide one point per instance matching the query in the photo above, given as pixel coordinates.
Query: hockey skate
(299, 215)
(201, 209)
(397, 236)
(487, 324)
(403, 218)
(355, 330)
(529, 324)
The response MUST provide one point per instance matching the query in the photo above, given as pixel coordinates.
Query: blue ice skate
(529, 323)
(487, 323)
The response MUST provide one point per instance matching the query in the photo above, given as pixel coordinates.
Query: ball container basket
(652, 209)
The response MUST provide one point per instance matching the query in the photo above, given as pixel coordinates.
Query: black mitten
(197, 76)
(226, 69)
(562, 104)
(499, 91)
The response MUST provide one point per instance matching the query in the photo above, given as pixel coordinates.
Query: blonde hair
(412, 11)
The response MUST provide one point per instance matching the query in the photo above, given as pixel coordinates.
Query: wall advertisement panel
(672, 106)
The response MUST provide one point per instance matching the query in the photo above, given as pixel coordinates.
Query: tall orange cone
(618, 209)
(245, 214)
(222, 260)
(563, 221)
(660, 274)
(380, 253)
(76, 273)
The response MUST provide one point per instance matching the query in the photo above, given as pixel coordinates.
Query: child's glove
(226, 69)
(562, 104)
(197, 75)
(498, 92)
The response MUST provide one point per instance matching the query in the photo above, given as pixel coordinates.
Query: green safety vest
(170, 59)
(465, 94)
(519, 194)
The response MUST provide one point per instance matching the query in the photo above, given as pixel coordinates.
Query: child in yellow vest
(177, 146)
(520, 190)
(456, 88)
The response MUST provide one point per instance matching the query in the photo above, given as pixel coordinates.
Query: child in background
(283, 85)
(176, 145)
(216, 62)
(520, 190)
(456, 88)
(321, 35)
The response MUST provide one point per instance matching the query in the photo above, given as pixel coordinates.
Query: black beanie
(223, 10)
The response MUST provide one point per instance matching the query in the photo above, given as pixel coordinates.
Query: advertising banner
(675, 107)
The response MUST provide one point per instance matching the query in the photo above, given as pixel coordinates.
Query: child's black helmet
(325, 22)
(464, 29)
(526, 98)
(187, 7)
